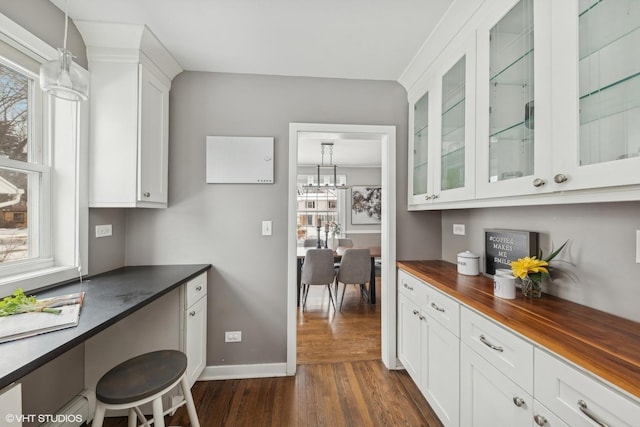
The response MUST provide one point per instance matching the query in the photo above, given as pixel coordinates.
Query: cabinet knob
(198, 288)
(560, 178)
(435, 196)
(540, 420)
(147, 194)
(192, 313)
(415, 312)
(518, 401)
(428, 196)
(539, 182)
(420, 317)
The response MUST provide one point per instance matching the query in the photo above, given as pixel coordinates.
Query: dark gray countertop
(109, 297)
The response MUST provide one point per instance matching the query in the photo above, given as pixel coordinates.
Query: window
(43, 236)
(311, 205)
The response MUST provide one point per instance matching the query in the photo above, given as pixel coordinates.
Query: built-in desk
(109, 297)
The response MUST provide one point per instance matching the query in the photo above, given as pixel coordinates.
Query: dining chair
(317, 269)
(312, 243)
(345, 243)
(355, 269)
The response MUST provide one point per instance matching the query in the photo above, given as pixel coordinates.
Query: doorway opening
(336, 208)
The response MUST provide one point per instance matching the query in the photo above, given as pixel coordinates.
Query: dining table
(337, 256)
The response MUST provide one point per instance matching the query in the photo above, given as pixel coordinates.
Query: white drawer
(443, 309)
(196, 289)
(544, 417)
(562, 388)
(509, 353)
(412, 288)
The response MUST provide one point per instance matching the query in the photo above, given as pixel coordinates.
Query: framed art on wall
(366, 205)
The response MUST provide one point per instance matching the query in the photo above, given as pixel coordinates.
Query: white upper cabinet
(547, 110)
(442, 141)
(513, 101)
(596, 93)
(131, 75)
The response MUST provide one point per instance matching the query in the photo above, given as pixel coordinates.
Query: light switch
(266, 228)
(458, 229)
(103, 230)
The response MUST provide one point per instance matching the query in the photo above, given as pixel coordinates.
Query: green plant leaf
(553, 255)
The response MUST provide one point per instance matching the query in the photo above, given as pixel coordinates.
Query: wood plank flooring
(340, 379)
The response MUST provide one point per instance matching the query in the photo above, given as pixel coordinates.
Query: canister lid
(468, 254)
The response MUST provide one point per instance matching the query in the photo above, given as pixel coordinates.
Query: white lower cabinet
(577, 398)
(11, 406)
(194, 335)
(427, 348)
(487, 397)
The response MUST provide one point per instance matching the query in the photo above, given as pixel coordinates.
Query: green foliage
(21, 303)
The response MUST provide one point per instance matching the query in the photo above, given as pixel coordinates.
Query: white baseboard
(233, 372)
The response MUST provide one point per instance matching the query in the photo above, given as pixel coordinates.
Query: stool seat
(141, 377)
(141, 380)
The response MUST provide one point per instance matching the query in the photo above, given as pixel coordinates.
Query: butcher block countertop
(604, 344)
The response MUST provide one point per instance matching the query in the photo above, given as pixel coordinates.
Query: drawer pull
(582, 405)
(484, 341)
(192, 313)
(407, 286)
(435, 306)
(518, 401)
(540, 420)
(199, 288)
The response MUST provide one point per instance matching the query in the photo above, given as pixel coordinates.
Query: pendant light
(63, 78)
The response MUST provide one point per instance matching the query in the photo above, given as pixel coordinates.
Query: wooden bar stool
(142, 379)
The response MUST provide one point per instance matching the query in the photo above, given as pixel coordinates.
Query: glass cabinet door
(511, 95)
(452, 160)
(609, 90)
(597, 130)
(421, 146)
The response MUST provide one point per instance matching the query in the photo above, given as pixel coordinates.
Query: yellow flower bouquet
(531, 270)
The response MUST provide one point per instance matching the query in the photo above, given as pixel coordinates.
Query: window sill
(37, 279)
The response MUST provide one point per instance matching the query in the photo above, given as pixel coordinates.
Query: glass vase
(531, 288)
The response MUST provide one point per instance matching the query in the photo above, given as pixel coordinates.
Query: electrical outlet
(233, 336)
(103, 230)
(458, 229)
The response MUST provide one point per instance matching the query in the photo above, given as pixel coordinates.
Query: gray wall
(220, 224)
(598, 266)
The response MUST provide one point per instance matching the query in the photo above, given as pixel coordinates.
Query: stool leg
(98, 417)
(133, 418)
(158, 413)
(141, 417)
(191, 407)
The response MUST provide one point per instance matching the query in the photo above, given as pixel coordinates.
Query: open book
(25, 325)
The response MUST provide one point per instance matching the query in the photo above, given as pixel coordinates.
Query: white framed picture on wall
(366, 204)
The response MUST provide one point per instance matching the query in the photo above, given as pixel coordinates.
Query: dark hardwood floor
(340, 379)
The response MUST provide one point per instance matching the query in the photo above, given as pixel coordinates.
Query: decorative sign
(505, 246)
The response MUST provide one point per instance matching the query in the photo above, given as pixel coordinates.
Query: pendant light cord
(66, 24)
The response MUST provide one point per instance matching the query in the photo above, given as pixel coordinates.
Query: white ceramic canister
(468, 263)
(504, 286)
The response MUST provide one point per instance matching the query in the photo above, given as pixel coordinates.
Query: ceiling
(354, 39)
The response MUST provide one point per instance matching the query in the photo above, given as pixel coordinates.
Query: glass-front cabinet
(441, 143)
(513, 121)
(421, 188)
(601, 95)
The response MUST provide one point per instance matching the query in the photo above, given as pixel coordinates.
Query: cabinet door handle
(582, 405)
(435, 196)
(199, 288)
(420, 317)
(518, 401)
(539, 182)
(147, 194)
(560, 178)
(427, 197)
(484, 341)
(407, 286)
(435, 306)
(540, 420)
(415, 312)
(192, 313)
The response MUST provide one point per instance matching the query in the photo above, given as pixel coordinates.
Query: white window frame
(63, 236)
